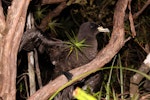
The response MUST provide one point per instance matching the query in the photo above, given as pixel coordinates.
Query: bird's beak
(101, 29)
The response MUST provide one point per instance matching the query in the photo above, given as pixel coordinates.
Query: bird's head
(90, 29)
(86, 38)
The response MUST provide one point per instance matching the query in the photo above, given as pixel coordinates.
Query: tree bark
(2, 19)
(15, 22)
(104, 56)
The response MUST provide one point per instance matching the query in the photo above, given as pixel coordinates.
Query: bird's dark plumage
(58, 52)
(62, 62)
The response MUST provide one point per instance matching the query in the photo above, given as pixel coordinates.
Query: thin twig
(38, 73)
(136, 15)
(131, 20)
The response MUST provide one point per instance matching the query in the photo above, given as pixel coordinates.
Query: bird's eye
(93, 25)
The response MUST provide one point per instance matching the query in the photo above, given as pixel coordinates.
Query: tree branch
(136, 15)
(104, 56)
(2, 19)
(137, 78)
(132, 27)
(51, 15)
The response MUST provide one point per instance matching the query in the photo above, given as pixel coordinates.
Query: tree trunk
(9, 43)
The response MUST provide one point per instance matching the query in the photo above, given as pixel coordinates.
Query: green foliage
(107, 91)
(75, 45)
(39, 13)
(109, 79)
(53, 25)
(20, 87)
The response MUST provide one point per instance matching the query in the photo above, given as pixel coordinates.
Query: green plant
(75, 45)
(53, 24)
(109, 79)
(39, 13)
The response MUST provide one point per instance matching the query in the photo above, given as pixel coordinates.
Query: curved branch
(104, 56)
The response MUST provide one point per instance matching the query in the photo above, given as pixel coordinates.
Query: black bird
(64, 62)
(61, 58)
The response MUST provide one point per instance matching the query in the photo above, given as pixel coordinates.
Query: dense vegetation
(68, 21)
